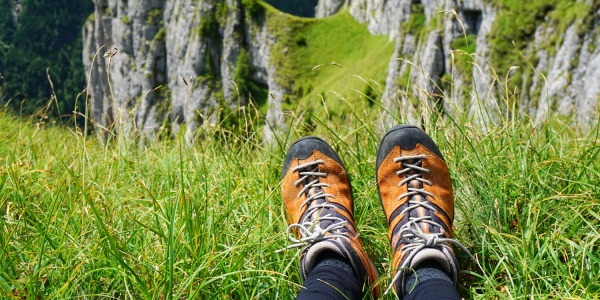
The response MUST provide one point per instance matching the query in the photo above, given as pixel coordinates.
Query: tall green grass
(82, 219)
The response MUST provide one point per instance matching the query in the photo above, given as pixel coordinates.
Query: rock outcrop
(169, 63)
(424, 61)
(326, 8)
(572, 80)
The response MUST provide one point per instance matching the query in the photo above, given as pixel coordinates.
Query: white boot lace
(309, 226)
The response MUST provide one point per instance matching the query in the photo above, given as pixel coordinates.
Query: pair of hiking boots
(414, 189)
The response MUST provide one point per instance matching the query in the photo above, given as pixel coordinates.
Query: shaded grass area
(83, 219)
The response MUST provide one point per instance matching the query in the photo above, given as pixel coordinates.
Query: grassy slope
(360, 58)
(308, 47)
(79, 219)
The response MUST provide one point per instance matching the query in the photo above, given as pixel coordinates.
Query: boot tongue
(317, 201)
(321, 211)
(419, 211)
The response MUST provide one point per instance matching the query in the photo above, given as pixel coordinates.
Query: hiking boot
(416, 194)
(318, 199)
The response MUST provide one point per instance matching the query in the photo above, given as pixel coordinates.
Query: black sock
(428, 281)
(429, 269)
(334, 259)
(331, 278)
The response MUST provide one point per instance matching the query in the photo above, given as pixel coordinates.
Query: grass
(342, 73)
(320, 73)
(464, 48)
(86, 219)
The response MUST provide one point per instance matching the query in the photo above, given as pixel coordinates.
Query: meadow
(83, 217)
(87, 216)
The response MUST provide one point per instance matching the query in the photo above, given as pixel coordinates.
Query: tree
(47, 38)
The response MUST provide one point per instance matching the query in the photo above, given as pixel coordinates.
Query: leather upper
(439, 176)
(337, 179)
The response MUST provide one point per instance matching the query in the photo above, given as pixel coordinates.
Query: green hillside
(333, 61)
(341, 63)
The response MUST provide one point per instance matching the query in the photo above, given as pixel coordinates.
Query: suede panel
(441, 186)
(439, 176)
(290, 192)
(336, 178)
(388, 181)
(338, 182)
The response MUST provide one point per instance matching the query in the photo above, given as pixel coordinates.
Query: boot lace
(317, 205)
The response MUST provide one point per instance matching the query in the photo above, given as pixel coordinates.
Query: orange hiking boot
(318, 199)
(416, 194)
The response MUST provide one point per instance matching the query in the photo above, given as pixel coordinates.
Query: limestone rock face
(381, 16)
(125, 46)
(327, 8)
(161, 63)
(572, 83)
(261, 43)
(424, 61)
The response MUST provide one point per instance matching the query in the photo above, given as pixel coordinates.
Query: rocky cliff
(168, 63)
(175, 62)
(453, 56)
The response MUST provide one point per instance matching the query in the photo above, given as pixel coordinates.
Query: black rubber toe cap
(304, 147)
(407, 137)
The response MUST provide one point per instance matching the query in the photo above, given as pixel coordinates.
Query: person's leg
(318, 199)
(416, 194)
